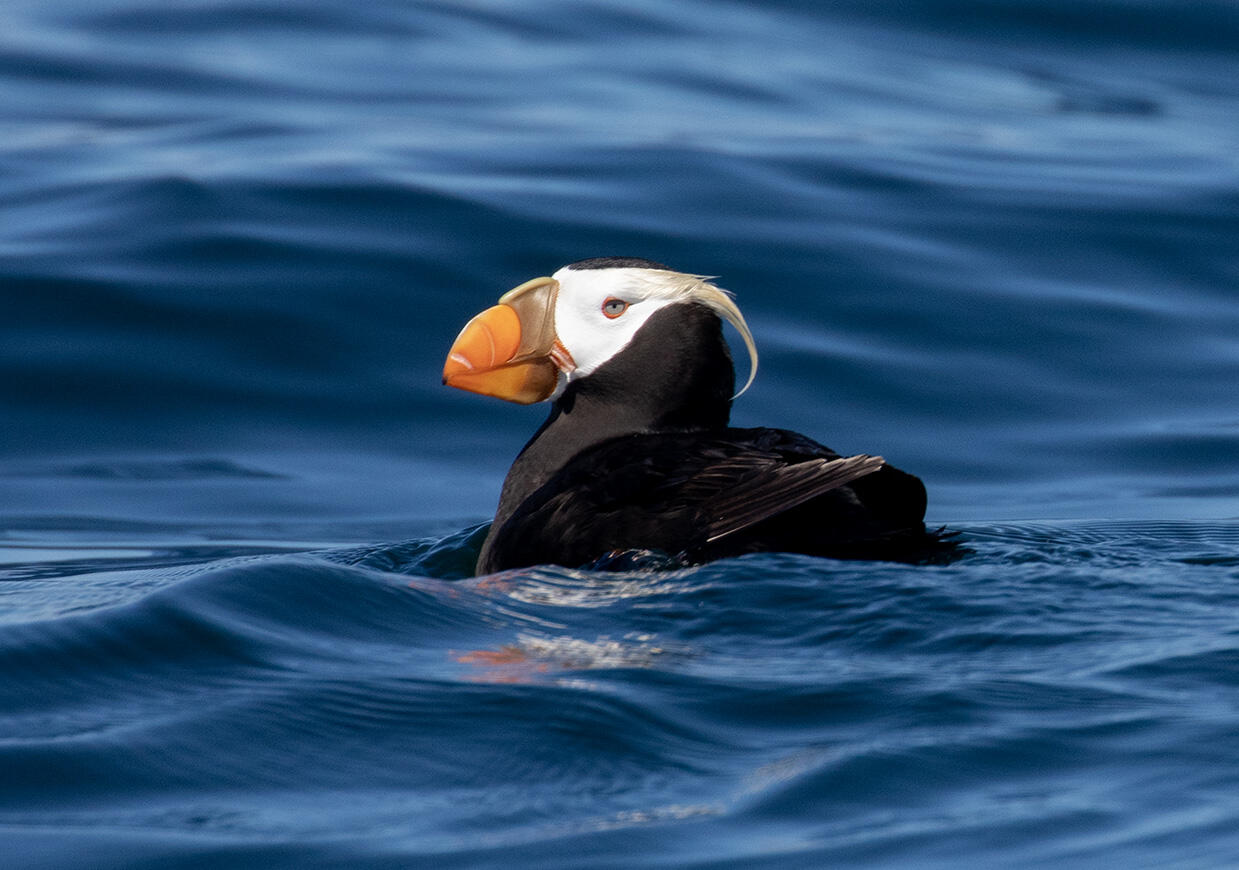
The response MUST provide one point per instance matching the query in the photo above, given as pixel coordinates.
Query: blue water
(992, 240)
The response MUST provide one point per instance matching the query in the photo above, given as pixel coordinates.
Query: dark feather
(701, 495)
(782, 489)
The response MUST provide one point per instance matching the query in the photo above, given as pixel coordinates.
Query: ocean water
(994, 241)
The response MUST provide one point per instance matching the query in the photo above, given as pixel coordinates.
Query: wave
(991, 240)
(343, 705)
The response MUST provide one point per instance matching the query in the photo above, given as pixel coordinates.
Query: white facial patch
(581, 323)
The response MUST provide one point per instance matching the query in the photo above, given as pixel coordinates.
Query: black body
(638, 456)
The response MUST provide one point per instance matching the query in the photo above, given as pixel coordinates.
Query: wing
(760, 496)
(674, 492)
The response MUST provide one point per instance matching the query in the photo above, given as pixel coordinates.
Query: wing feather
(783, 488)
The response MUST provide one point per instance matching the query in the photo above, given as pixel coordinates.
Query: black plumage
(638, 455)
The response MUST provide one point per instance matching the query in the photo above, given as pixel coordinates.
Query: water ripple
(238, 627)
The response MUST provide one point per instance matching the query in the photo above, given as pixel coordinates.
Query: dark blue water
(992, 240)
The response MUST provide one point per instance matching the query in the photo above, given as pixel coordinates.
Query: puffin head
(551, 331)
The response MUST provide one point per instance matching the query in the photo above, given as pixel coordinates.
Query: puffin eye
(613, 307)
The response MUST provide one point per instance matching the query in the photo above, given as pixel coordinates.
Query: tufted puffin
(637, 454)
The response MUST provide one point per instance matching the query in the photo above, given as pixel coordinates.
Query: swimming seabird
(637, 454)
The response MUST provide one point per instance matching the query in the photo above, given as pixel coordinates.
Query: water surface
(991, 240)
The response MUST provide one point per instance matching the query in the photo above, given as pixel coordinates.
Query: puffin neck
(675, 375)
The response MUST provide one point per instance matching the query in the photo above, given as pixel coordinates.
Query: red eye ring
(613, 307)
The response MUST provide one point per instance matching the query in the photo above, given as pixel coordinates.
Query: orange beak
(509, 350)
